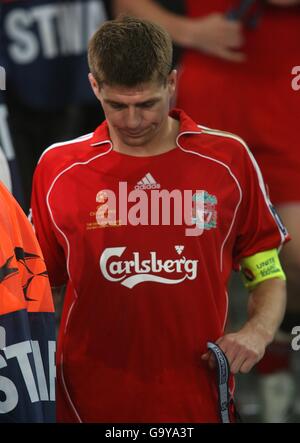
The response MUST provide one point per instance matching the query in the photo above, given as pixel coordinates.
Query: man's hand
(217, 36)
(247, 346)
(213, 34)
(243, 350)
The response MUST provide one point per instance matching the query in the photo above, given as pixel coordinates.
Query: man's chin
(136, 141)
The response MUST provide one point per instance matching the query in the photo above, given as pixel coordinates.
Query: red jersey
(255, 98)
(143, 300)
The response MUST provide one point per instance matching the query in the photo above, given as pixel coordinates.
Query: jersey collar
(101, 135)
(187, 128)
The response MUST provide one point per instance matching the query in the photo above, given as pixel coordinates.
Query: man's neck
(164, 141)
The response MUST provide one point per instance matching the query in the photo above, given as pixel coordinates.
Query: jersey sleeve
(259, 227)
(46, 232)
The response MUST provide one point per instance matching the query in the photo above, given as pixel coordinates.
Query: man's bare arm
(150, 10)
(213, 34)
(247, 346)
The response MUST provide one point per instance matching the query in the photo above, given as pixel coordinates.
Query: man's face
(136, 116)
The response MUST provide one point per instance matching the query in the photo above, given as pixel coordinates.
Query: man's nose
(133, 118)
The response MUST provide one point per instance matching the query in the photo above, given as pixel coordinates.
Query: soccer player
(237, 54)
(147, 290)
(27, 332)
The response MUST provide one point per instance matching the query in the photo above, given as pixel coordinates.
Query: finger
(237, 363)
(232, 44)
(232, 56)
(247, 366)
(209, 357)
(233, 41)
(233, 38)
(252, 359)
(229, 349)
(212, 361)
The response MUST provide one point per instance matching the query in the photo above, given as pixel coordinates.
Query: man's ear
(94, 85)
(172, 82)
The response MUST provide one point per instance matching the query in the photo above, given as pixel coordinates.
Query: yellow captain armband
(260, 267)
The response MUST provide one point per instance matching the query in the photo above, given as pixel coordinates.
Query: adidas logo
(147, 182)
